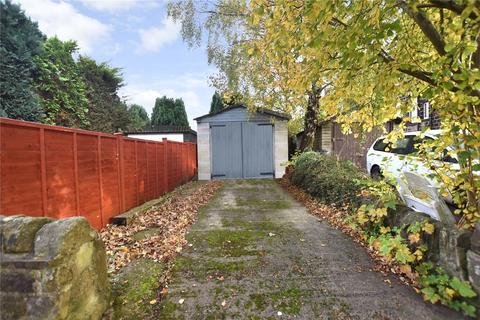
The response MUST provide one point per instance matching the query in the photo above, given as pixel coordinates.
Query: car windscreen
(401, 146)
(380, 145)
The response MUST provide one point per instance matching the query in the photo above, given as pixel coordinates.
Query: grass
(134, 287)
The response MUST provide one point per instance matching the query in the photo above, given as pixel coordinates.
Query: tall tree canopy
(106, 111)
(217, 103)
(367, 61)
(138, 117)
(379, 56)
(20, 41)
(222, 23)
(169, 111)
(60, 85)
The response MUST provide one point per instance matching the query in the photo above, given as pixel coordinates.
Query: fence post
(43, 168)
(100, 179)
(165, 164)
(75, 171)
(157, 192)
(121, 171)
(147, 182)
(136, 175)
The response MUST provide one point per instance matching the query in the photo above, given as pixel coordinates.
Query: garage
(237, 144)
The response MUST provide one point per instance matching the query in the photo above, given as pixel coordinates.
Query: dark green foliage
(107, 112)
(180, 113)
(138, 117)
(60, 85)
(327, 179)
(169, 112)
(20, 42)
(217, 103)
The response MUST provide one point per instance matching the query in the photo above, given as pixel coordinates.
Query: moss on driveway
(255, 253)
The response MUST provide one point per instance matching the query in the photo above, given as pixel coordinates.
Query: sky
(136, 36)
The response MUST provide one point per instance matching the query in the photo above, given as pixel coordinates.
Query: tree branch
(426, 26)
(421, 75)
(229, 14)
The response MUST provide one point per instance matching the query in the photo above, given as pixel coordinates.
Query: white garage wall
(203, 151)
(158, 136)
(281, 147)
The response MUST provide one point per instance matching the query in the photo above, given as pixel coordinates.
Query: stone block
(453, 245)
(18, 233)
(473, 267)
(63, 277)
(17, 281)
(395, 216)
(475, 241)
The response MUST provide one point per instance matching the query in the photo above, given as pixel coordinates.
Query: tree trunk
(311, 117)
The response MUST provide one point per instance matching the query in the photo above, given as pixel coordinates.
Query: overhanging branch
(426, 26)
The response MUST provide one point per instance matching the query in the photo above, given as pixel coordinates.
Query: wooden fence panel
(110, 182)
(161, 178)
(61, 172)
(88, 179)
(21, 175)
(130, 174)
(170, 166)
(59, 161)
(141, 171)
(152, 171)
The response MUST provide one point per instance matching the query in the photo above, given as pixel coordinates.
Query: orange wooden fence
(61, 172)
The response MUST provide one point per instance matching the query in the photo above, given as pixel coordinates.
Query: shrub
(342, 184)
(327, 179)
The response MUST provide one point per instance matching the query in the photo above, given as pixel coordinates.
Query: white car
(383, 158)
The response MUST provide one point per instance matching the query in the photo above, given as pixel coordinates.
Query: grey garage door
(242, 150)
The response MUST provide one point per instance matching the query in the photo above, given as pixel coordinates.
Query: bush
(329, 180)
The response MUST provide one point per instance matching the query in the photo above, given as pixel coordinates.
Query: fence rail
(61, 172)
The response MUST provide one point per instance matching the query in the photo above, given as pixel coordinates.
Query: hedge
(329, 180)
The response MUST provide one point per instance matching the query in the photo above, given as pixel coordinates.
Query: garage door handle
(265, 173)
(217, 175)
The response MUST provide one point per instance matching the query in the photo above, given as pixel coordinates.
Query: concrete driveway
(255, 253)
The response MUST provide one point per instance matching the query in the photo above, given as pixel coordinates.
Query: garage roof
(262, 110)
(163, 129)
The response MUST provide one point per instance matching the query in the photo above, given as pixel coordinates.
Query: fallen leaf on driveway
(224, 303)
(270, 234)
(181, 301)
(169, 219)
(164, 292)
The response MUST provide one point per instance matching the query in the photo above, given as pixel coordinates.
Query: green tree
(20, 42)
(60, 85)
(168, 111)
(107, 112)
(360, 59)
(375, 52)
(138, 117)
(217, 103)
(222, 21)
(181, 118)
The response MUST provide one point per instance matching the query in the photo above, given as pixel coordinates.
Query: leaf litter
(336, 218)
(169, 218)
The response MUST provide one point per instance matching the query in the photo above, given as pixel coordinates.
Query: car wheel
(376, 173)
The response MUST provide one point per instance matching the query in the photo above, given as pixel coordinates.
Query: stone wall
(456, 251)
(51, 269)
